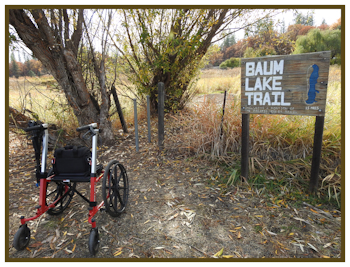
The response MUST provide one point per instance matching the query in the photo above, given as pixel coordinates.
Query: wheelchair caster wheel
(22, 237)
(94, 241)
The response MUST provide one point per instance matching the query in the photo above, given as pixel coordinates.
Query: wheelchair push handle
(40, 127)
(87, 127)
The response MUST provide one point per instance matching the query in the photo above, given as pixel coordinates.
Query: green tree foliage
(307, 19)
(14, 68)
(31, 67)
(228, 41)
(260, 52)
(31, 73)
(261, 28)
(317, 40)
(230, 63)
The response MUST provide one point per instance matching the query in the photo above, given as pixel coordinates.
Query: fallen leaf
(311, 246)
(117, 253)
(219, 253)
(69, 251)
(227, 256)
(37, 244)
(172, 217)
(313, 211)
(327, 245)
(271, 233)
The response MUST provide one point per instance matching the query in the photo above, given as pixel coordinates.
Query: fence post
(136, 126)
(223, 113)
(148, 119)
(316, 155)
(119, 109)
(161, 115)
(245, 147)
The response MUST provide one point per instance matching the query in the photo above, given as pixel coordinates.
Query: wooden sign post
(289, 85)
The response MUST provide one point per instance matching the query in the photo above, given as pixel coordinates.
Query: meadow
(41, 98)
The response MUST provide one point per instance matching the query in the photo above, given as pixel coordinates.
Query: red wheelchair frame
(115, 187)
(43, 207)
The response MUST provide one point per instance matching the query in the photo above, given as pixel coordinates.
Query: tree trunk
(59, 56)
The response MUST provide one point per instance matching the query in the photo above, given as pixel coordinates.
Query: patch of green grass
(258, 228)
(289, 191)
(51, 224)
(283, 191)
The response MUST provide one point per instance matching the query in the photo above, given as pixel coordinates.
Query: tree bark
(58, 54)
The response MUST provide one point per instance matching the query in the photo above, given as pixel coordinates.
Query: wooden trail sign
(290, 85)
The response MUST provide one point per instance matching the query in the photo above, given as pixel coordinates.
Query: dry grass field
(280, 145)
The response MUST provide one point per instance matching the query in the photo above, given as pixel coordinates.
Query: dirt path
(176, 209)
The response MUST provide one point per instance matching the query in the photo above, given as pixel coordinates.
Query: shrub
(260, 52)
(317, 41)
(230, 63)
(31, 73)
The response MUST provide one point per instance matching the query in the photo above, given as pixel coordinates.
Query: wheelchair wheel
(115, 188)
(59, 190)
(94, 241)
(22, 237)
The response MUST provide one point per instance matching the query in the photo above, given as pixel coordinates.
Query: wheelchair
(58, 185)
